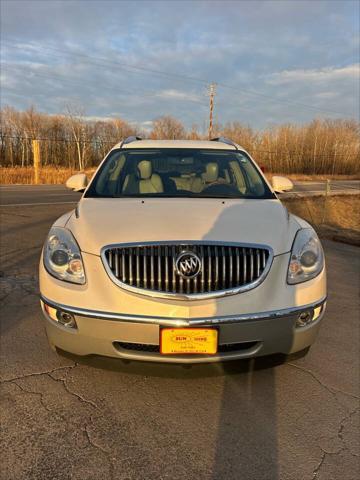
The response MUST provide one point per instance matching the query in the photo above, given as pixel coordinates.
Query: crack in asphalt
(344, 447)
(339, 435)
(34, 374)
(330, 389)
(319, 465)
(99, 447)
(27, 284)
(71, 392)
(31, 392)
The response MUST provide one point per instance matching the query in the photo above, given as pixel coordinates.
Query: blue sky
(273, 61)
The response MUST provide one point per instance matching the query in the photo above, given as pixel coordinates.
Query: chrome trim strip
(183, 322)
(183, 295)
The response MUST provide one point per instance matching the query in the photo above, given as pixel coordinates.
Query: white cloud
(327, 74)
(179, 95)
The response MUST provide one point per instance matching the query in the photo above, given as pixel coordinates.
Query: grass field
(336, 217)
(47, 175)
(53, 175)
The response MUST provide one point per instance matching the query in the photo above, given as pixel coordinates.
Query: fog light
(304, 319)
(318, 311)
(66, 319)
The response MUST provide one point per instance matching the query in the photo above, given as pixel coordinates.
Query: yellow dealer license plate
(188, 340)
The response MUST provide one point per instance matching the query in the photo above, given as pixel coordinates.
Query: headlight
(307, 257)
(62, 257)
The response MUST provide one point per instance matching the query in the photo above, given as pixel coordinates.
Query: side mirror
(77, 182)
(281, 184)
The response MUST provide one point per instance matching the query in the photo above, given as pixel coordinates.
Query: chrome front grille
(151, 268)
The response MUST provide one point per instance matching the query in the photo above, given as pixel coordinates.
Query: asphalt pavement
(21, 195)
(66, 417)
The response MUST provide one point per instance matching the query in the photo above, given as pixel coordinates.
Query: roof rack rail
(127, 140)
(224, 140)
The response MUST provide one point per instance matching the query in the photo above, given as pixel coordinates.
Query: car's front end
(192, 275)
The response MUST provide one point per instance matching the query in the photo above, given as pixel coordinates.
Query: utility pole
(212, 92)
(36, 160)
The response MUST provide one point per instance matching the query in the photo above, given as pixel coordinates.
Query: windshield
(178, 173)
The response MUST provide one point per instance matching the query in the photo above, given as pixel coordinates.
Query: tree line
(72, 140)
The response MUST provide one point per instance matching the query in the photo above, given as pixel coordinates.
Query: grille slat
(263, 259)
(111, 259)
(152, 267)
(130, 266)
(116, 264)
(145, 268)
(223, 268)
(137, 256)
(257, 263)
(166, 269)
(216, 267)
(202, 279)
(209, 268)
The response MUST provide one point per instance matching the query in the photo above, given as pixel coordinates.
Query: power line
(116, 64)
(150, 94)
(55, 140)
(110, 63)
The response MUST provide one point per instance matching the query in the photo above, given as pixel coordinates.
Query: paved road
(88, 419)
(36, 194)
(336, 186)
(22, 195)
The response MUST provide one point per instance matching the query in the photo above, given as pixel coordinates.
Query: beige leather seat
(211, 174)
(189, 182)
(149, 182)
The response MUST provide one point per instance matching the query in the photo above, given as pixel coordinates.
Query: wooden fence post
(36, 158)
(327, 193)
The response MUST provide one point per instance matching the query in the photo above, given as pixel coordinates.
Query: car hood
(104, 221)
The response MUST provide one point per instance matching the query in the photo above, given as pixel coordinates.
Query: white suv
(180, 251)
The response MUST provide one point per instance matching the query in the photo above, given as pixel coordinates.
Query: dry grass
(334, 217)
(48, 175)
(299, 177)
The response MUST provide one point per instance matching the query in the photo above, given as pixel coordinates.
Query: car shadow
(247, 434)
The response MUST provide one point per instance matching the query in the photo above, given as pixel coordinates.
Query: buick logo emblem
(188, 265)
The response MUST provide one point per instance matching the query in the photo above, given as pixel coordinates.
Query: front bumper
(108, 317)
(136, 337)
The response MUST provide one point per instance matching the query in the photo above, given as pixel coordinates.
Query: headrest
(212, 172)
(145, 169)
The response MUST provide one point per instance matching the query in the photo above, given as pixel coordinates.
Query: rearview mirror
(281, 184)
(77, 182)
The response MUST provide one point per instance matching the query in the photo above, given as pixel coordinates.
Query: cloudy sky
(273, 61)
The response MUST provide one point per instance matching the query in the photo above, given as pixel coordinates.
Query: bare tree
(324, 146)
(75, 119)
(167, 127)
